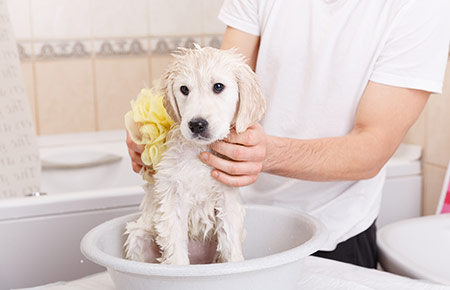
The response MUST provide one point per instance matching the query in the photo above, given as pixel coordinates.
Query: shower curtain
(19, 155)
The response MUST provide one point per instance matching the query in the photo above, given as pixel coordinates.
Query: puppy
(207, 92)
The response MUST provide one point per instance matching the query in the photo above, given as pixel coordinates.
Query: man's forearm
(351, 157)
(384, 115)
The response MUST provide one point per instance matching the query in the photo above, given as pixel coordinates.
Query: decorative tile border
(24, 50)
(213, 40)
(105, 48)
(121, 47)
(47, 50)
(166, 45)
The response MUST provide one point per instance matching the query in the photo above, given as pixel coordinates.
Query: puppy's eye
(184, 90)
(218, 88)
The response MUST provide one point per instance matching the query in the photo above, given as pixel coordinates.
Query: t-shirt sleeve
(241, 14)
(416, 51)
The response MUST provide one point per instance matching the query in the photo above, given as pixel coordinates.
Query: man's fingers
(135, 157)
(238, 152)
(231, 167)
(135, 150)
(232, 180)
(246, 152)
(133, 146)
(136, 167)
(248, 138)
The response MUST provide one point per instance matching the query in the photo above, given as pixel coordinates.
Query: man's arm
(245, 43)
(384, 116)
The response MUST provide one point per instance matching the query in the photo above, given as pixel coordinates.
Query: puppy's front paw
(179, 260)
(140, 245)
(236, 257)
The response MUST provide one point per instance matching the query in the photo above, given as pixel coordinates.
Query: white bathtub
(87, 179)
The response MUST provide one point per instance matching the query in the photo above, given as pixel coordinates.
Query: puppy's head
(207, 91)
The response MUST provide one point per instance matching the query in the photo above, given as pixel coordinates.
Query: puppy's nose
(198, 126)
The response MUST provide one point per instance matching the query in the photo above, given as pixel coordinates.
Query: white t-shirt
(314, 62)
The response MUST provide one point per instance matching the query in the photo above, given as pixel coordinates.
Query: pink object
(446, 205)
(444, 202)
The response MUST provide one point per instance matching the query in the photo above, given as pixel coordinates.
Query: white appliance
(417, 248)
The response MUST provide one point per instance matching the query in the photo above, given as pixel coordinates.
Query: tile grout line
(94, 69)
(424, 180)
(149, 44)
(122, 37)
(422, 206)
(203, 11)
(434, 165)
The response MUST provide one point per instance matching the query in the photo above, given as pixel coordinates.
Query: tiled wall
(432, 132)
(84, 60)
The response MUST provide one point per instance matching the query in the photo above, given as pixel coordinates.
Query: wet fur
(185, 205)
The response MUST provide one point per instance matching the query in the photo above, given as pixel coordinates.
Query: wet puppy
(207, 92)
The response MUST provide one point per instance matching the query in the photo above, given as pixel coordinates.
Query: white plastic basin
(277, 242)
(418, 248)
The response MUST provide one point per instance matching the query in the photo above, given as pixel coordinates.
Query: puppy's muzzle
(198, 126)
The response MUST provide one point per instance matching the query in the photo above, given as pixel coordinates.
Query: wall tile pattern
(84, 60)
(93, 56)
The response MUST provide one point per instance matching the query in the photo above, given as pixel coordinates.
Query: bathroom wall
(83, 61)
(432, 132)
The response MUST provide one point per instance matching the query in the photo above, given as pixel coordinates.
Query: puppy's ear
(252, 103)
(169, 101)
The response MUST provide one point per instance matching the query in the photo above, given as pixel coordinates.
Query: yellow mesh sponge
(148, 124)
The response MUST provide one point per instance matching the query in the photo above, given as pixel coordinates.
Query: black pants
(360, 250)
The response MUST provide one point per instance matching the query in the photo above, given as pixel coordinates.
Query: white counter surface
(319, 274)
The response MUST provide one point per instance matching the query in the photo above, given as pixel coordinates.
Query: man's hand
(247, 152)
(135, 152)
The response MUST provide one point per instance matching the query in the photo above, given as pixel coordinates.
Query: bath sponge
(148, 124)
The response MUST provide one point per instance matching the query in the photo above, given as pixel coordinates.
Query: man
(344, 81)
